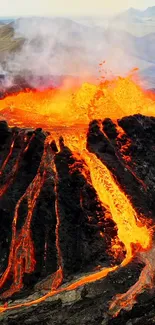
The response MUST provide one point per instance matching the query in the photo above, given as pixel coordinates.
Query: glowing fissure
(21, 258)
(10, 178)
(8, 156)
(69, 116)
(124, 160)
(59, 273)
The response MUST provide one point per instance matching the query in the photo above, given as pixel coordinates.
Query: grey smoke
(56, 47)
(65, 47)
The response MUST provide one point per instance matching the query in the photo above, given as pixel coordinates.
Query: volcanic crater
(77, 193)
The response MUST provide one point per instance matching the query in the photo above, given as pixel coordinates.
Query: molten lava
(52, 108)
(65, 114)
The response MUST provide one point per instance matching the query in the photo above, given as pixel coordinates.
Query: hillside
(7, 41)
(136, 22)
(140, 47)
(132, 14)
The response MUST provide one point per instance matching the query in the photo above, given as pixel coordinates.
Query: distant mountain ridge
(136, 14)
(6, 20)
(150, 11)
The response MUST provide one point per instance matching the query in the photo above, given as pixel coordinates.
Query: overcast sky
(68, 7)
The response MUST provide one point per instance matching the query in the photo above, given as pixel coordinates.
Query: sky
(68, 7)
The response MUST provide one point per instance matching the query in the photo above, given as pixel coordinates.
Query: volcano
(77, 184)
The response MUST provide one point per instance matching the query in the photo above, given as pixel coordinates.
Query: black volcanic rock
(4, 132)
(67, 195)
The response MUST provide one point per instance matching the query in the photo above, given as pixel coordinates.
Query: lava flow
(21, 258)
(68, 115)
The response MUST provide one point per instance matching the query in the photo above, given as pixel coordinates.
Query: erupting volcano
(75, 191)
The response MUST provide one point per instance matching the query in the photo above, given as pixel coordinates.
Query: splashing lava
(68, 114)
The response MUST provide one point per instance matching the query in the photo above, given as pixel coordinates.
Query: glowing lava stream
(89, 103)
(112, 196)
(121, 209)
(122, 212)
(59, 273)
(21, 258)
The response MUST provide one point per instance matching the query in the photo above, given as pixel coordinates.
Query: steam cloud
(63, 47)
(54, 47)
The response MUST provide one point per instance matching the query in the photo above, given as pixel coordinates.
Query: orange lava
(55, 108)
(63, 113)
